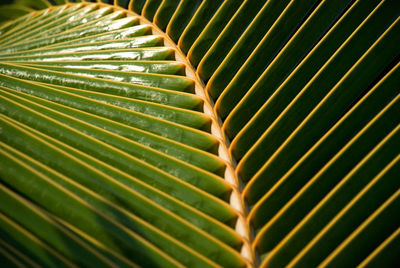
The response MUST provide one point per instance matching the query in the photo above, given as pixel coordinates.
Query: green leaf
(199, 133)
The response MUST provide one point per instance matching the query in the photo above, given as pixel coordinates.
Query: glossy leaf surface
(199, 133)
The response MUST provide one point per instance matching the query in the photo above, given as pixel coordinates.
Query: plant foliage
(199, 133)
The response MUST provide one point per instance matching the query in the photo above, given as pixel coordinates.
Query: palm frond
(199, 133)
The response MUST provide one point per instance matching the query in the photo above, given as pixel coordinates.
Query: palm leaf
(199, 133)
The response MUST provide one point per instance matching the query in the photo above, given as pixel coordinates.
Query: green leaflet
(226, 39)
(113, 25)
(196, 25)
(211, 31)
(201, 179)
(367, 111)
(76, 211)
(372, 225)
(267, 49)
(294, 51)
(168, 244)
(385, 253)
(178, 83)
(127, 192)
(144, 193)
(30, 237)
(365, 201)
(60, 20)
(292, 85)
(152, 94)
(380, 41)
(40, 18)
(243, 47)
(321, 183)
(10, 12)
(164, 13)
(59, 45)
(156, 67)
(158, 53)
(183, 14)
(199, 133)
(150, 8)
